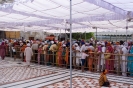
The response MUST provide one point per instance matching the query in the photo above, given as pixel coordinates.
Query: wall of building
(37, 35)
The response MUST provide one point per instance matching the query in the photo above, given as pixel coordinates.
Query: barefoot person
(28, 54)
(103, 81)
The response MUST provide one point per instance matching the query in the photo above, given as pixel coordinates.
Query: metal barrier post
(119, 64)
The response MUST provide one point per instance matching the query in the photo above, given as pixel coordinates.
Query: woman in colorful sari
(95, 58)
(90, 59)
(111, 59)
(22, 49)
(56, 57)
(67, 56)
(130, 62)
(59, 55)
(39, 54)
(107, 56)
(63, 54)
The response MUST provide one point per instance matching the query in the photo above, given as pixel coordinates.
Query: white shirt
(83, 48)
(77, 48)
(124, 50)
(13, 49)
(103, 49)
(78, 51)
(84, 55)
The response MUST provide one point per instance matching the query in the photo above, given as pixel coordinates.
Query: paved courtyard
(85, 82)
(15, 74)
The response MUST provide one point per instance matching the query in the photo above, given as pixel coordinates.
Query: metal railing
(117, 63)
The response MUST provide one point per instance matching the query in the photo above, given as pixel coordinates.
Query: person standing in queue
(83, 57)
(28, 54)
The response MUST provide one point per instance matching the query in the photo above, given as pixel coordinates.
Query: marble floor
(15, 74)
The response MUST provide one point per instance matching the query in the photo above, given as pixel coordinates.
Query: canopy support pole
(60, 34)
(126, 29)
(116, 35)
(70, 43)
(24, 32)
(96, 33)
(101, 37)
(85, 35)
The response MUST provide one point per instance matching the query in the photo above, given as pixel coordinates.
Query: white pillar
(70, 43)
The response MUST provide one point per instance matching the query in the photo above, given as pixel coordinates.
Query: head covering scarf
(131, 51)
(2, 43)
(28, 44)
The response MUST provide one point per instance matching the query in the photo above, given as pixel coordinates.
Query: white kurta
(103, 58)
(124, 61)
(78, 55)
(28, 54)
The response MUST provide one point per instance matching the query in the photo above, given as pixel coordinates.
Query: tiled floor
(85, 82)
(16, 75)
(19, 73)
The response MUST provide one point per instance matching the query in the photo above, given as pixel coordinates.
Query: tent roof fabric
(32, 15)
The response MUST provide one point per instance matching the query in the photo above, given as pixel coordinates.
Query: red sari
(22, 50)
(111, 59)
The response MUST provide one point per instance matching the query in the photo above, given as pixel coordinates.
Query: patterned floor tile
(19, 73)
(85, 82)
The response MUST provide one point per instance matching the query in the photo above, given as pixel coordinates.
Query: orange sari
(67, 53)
(90, 59)
(22, 50)
(60, 56)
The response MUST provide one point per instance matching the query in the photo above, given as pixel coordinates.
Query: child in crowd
(14, 51)
(83, 57)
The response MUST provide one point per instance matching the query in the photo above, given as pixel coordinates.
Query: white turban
(103, 43)
(45, 42)
(52, 42)
(87, 44)
(76, 44)
(28, 44)
(64, 45)
(98, 43)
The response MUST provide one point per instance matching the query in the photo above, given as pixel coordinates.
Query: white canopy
(52, 15)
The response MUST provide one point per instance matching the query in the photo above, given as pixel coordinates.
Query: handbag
(107, 56)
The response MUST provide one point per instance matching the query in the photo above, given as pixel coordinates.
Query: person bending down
(103, 81)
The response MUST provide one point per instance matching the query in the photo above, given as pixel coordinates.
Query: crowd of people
(116, 57)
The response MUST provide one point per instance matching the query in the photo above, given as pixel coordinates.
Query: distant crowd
(91, 54)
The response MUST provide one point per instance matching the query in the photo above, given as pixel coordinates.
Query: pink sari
(39, 53)
(110, 62)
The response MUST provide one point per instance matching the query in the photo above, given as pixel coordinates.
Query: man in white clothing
(28, 54)
(102, 56)
(78, 54)
(123, 51)
(84, 47)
